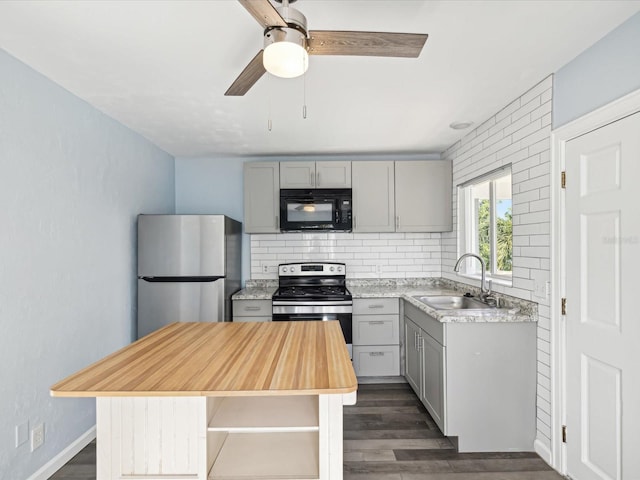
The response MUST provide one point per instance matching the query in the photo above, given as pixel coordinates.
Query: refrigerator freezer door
(181, 245)
(162, 303)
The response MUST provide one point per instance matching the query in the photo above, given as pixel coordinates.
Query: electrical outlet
(37, 436)
(265, 268)
(378, 268)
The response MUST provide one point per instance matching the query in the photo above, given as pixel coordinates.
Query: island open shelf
(264, 414)
(268, 456)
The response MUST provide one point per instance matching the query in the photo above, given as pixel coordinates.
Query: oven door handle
(284, 303)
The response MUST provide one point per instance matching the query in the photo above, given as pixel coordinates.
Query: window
(485, 223)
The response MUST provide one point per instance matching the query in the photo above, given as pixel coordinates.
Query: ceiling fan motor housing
(296, 32)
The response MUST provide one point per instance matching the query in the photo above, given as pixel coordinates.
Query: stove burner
(305, 291)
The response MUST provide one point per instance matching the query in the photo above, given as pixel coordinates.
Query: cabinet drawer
(376, 330)
(429, 324)
(376, 306)
(252, 308)
(376, 361)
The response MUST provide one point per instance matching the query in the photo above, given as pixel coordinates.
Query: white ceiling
(162, 67)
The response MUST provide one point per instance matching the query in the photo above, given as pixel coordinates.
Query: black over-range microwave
(315, 209)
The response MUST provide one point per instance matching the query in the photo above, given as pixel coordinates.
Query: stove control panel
(311, 269)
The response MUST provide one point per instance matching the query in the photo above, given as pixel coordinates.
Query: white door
(603, 317)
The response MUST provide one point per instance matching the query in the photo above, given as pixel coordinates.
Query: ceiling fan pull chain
(269, 122)
(304, 97)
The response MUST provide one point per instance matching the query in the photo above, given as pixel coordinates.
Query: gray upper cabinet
(315, 175)
(373, 197)
(423, 196)
(261, 197)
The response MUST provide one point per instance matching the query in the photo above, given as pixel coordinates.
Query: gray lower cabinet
(261, 197)
(252, 310)
(476, 379)
(413, 359)
(433, 367)
(424, 368)
(376, 340)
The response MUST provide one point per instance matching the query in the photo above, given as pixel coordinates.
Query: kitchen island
(221, 401)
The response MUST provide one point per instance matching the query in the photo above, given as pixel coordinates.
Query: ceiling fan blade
(264, 13)
(375, 44)
(250, 75)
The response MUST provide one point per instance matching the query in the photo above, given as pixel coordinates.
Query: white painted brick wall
(366, 255)
(518, 135)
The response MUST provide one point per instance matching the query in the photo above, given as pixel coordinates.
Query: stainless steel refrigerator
(188, 268)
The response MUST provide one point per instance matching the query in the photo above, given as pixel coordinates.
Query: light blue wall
(72, 181)
(215, 185)
(212, 186)
(604, 72)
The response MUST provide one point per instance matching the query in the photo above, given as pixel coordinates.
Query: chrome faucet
(484, 292)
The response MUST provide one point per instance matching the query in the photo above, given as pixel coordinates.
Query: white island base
(221, 438)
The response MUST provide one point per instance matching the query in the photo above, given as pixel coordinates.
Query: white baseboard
(542, 450)
(57, 462)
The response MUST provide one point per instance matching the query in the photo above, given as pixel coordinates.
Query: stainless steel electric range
(314, 291)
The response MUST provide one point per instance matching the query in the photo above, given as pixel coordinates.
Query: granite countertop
(514, 309)
(255, 293)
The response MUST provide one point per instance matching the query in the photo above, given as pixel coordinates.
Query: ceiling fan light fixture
(285, 53)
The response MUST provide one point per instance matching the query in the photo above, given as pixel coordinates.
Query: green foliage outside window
(504, 229)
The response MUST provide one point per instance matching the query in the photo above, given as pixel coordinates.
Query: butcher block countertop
(222, 359)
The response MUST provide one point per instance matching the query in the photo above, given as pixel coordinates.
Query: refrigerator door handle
(179, 279)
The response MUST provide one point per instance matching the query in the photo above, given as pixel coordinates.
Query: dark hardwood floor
(388, 435)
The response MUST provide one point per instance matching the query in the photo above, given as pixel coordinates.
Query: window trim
(467, 236)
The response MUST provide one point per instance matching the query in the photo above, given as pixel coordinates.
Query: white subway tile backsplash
(508, 110)
(539, 205)
(512, 149)
(363, 253)
(540, 112)
(542, 146)
(538, 90)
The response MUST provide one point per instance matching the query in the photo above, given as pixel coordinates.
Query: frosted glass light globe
(285, 59)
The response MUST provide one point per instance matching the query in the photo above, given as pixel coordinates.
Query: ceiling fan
(287, 44)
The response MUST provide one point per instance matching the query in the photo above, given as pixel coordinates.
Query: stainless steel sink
(452, 302)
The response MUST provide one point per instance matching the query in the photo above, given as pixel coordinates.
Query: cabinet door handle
(311, 178)
(251, 309)
(354, 222)
(415, 340)
(277, 222)
(317, 179)
(376, 306)
(376, 354)
(376, 322)
(397, 221)
(419, 342)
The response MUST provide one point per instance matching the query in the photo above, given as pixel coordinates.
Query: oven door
(343, 318)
